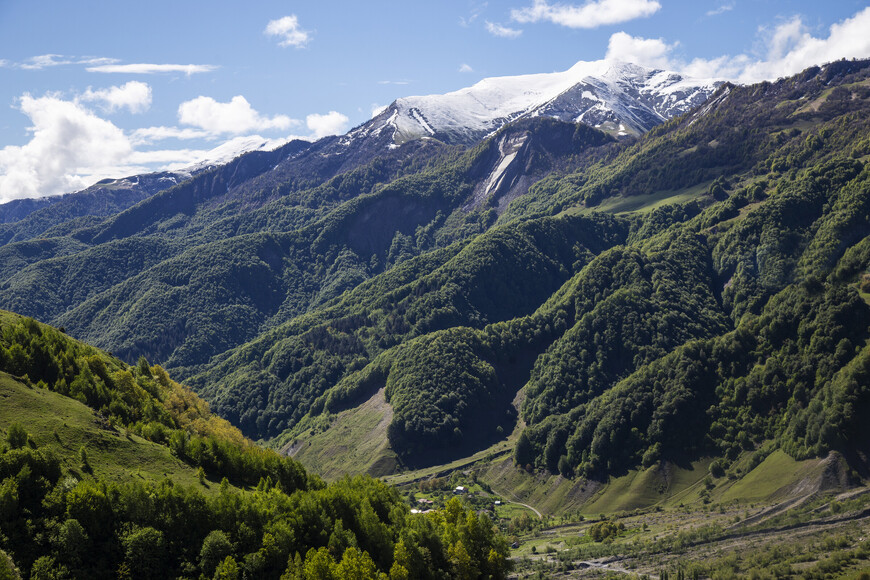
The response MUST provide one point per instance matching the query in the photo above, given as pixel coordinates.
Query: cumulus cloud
(465, 68)
(332, 123)
(651, 52)
(502, 31)
(150, 69)
(70, 148)
(788, 48)
(589, 15)
(235, 117)
(134, 95)
(288, 30)
(791, 48)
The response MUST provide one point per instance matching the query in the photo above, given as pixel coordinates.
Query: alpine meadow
(607, 322)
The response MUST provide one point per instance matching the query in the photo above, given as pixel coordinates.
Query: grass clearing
(773, 475)
(659, 484)
(644, 203)
(549, 494)
(355, 442)
(513, 510)
(814, 105)
(65, 425)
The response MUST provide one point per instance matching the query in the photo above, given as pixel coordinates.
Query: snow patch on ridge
(226, 152)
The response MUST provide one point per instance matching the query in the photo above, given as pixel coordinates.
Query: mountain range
(601, 261)
(617, 97)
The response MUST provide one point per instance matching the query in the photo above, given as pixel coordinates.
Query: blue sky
(106, 88)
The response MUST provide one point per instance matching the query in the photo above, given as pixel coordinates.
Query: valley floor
(813, 537)
(767, 518)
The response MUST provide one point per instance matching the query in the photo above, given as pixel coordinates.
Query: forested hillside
(698, 291)
(108, 470)
(640, 344)
(707, 328)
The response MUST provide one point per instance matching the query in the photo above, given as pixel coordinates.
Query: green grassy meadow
(65, 426)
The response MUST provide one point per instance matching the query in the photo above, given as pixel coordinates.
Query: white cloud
(589, 15)
(44, 61)
(401, 83)
(378, 109)
(70, 148)
(465, 68)
(149, 69)
(97, 60)
(502, 31)
(332, 123)
(788, 49)
(792, 48)
(49, 60)
(651, 52)
(235, 117)
(289, 31)
(722, 9)
(134, 95)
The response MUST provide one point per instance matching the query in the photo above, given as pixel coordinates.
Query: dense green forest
(704, 328)
(698, 291)
(253, 513)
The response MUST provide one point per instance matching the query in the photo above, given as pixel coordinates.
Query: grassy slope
(65, 425)
(327, 452)
(645, 488)
(645, 203)
(356, 442)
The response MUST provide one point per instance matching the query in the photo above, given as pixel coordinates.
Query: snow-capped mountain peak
(229, 150)
(618, 97)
